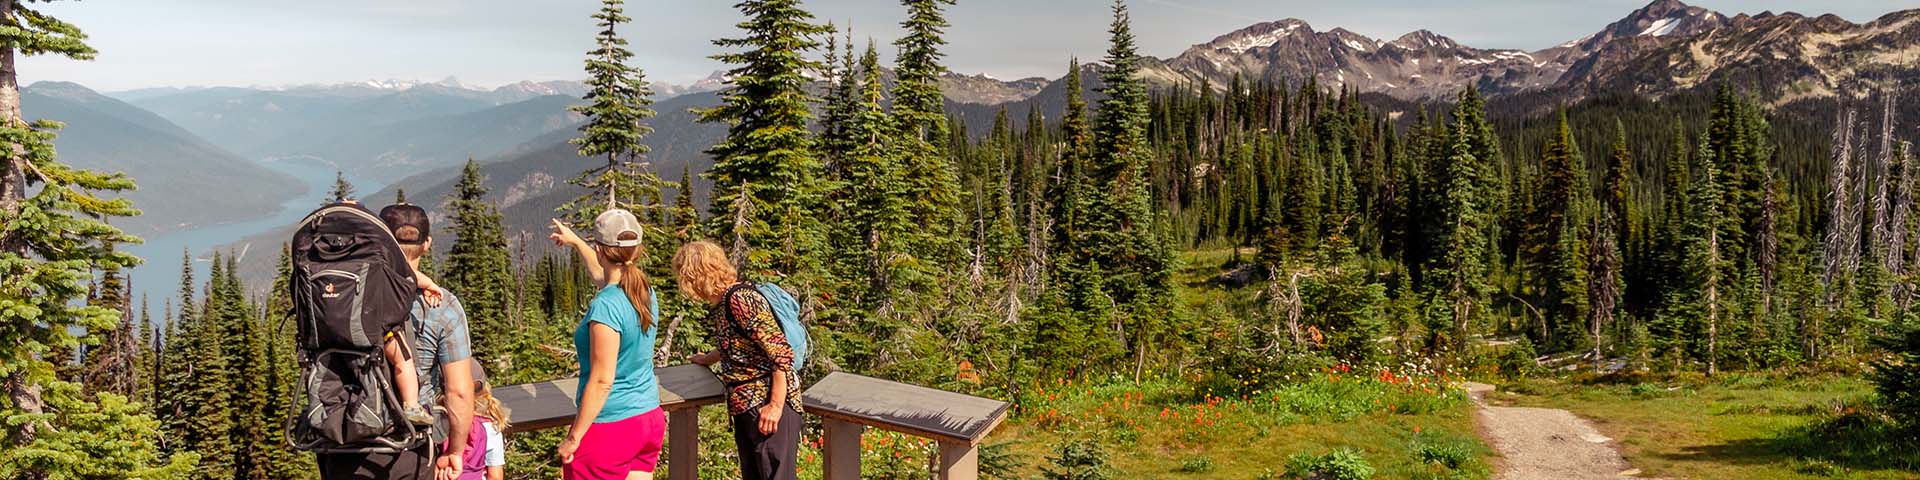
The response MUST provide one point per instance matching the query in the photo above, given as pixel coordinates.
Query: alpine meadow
(1685, 245)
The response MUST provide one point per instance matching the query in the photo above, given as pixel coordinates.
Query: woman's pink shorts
(612, 449)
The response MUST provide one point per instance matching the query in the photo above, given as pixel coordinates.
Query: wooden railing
(848, 403)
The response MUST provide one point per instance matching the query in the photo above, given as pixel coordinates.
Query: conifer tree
(1558, 253)
(145, 359)
(208, 394)
(1124, 233)
(1669, 253)
(279, 376)
(1467, 224)
(173, 403)
(52, 237)
(617, 108)
(477, 267)
(1068, 183)
(399, 196)
(876, 218)
(842, 102)
(1618, 194)
(927, 176)
(686, 218)
(109, 365)
(765, 173)
(341, 190)
(251, 436)
(1707, 267)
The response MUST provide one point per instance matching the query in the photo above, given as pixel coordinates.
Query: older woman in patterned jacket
(756, 364)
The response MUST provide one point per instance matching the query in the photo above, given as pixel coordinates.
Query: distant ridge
(184, 180)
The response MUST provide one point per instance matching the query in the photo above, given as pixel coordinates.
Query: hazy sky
(147, 43)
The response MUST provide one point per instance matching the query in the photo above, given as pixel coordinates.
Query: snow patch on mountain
(1662, 27)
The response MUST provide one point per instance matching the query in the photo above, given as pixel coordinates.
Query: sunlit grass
(1158, 429)
(1747, 427)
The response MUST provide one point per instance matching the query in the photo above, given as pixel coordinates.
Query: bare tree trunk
(1713, 299)
(13, 188)
(666, 348)
(13, 179)
(1603, 284)
(1843, 232)
(742, 205)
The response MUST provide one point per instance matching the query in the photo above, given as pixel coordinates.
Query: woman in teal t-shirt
(620, 428)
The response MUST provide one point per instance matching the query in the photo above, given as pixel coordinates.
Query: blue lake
(159, 277)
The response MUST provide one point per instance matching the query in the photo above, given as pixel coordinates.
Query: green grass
(1150, 430)
(1747, 427)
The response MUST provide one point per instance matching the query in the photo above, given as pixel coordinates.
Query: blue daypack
(787, 311)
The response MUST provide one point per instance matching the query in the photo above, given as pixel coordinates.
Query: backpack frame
(351, 287)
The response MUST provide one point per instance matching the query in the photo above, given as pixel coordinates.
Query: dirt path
(1546, 443)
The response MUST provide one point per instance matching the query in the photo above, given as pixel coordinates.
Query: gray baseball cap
(608, 227)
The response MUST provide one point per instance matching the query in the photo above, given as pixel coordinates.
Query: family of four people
(620, 428)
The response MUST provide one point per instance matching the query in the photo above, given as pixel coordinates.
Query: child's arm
(496, 458)
(429, 292)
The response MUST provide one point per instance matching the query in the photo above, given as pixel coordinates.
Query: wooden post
(959, 461)
(683, 441)
(842, 449)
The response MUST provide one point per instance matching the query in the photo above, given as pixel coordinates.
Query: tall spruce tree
(477, 267)
(53, 236)
(145, 359)
(1467, 224)
(1557, 252)
(765, 173)
(617, 108)
(1126, 235)
(1707, 266)
(927, 177)
(209, 403)
(876, 218)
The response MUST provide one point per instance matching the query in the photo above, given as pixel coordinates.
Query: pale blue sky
(146, 43)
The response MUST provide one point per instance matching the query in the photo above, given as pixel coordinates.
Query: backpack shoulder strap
(726, 304)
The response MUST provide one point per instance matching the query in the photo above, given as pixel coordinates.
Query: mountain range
(1663, 48)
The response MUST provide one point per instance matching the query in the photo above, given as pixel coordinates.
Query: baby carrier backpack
(351, 287)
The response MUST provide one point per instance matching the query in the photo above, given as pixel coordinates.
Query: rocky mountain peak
(1423, 39)
(1259, 35)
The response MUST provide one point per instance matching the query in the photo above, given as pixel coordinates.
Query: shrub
(1341, 464)
(1647, 390)
(1895, 377)
(1518, 360)
(1452, 456)
(1078, 460)
(1196, 464)
(998, 460)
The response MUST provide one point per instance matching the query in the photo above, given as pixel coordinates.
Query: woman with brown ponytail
(620, 428)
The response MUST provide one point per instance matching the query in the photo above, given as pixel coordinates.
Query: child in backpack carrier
(398, 350)
(406, 378)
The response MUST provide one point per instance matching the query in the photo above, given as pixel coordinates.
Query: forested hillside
(1262, 237)
(186, 174)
